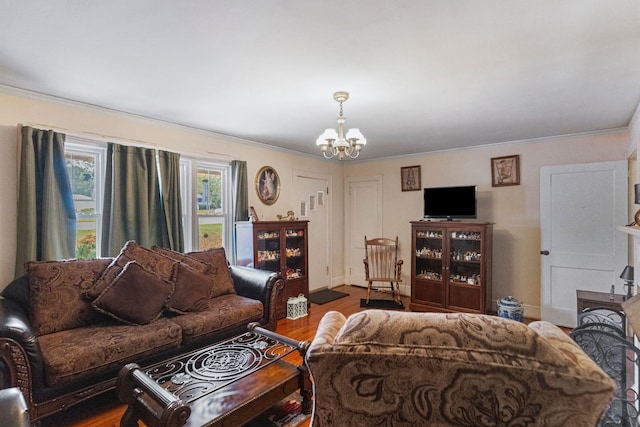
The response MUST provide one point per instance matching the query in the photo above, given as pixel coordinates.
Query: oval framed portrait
(267, 185)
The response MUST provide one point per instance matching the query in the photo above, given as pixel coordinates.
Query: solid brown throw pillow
(192, 290)
(136, 296)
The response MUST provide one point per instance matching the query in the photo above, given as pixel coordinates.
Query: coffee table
(225, 384)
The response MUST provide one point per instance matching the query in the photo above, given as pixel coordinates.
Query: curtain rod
(94, 137)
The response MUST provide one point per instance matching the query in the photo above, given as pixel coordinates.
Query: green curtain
(171, 199)
(240, 190)
(132, 204)
(46, 215)
(240, 197)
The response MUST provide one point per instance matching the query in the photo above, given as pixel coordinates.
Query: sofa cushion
(199, 266)
(192, 290)
(161, 265)
(218, 269)
(135, 296)
(55, 293)
(70, 354)
(223, 312)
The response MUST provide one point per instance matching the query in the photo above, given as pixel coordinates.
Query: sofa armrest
(20, 357)
(261, 285)
(328, 329)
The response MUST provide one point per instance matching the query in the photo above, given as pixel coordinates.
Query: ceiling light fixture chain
(334, 143)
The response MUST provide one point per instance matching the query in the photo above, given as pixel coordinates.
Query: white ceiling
(423, 75)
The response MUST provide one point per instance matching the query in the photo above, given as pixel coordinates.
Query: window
(206, 204)
(85, 165)
(205, 189)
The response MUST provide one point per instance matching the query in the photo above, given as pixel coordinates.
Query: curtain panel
(240, 197)
(132, 208)
(46, 214)
(240, 190)
(171, 200)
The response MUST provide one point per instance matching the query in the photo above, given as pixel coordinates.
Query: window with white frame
(206, 204)
(205, 190)
(86, 167)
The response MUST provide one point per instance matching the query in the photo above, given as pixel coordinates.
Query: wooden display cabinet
(451, 266)
(279, 246)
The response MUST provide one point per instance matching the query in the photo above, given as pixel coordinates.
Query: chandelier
(334, 143)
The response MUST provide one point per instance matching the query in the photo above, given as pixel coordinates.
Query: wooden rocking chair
(381, 264)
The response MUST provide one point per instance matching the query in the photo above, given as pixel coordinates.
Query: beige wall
(77, 119)
(515, 210)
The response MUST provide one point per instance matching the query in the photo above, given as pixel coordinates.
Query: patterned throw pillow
(161, 265)
(136, 296)
(199, 266)
(55, 293)
(192, 290)
(219, 270)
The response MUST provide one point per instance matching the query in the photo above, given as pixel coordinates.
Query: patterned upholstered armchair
(407, 369)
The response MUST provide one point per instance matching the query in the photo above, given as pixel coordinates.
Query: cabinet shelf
(463, 284)
(458, 277)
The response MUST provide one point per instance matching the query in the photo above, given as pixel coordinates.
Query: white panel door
(581, 206)
(364, 218)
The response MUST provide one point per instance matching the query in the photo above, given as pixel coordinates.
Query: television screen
(450, 202)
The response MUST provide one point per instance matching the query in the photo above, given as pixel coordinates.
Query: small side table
(590, 299)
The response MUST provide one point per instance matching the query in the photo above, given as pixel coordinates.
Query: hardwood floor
(106, 410)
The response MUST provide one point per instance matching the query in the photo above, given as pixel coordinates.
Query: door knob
(544, 252)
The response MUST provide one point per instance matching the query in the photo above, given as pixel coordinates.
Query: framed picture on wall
(267, 185)
(505, 171)
(410, 177)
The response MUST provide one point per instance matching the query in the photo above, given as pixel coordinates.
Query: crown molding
(37, 96)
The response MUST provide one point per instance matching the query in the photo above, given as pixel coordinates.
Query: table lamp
(627, 276)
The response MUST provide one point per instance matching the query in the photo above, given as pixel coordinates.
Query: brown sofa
(67, 327)
(417, 369)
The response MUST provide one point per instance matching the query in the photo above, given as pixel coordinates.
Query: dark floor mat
(325, 295)
(382, 303)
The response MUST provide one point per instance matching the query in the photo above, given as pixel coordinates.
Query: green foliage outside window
(211, 199)
(82, 176)
(209, 236)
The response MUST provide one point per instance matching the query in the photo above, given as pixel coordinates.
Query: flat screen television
(450, 202)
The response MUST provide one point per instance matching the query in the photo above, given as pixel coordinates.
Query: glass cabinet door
(429, 255)
(268, 250)
(295, 253)
(465, 257)
(429, 261)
